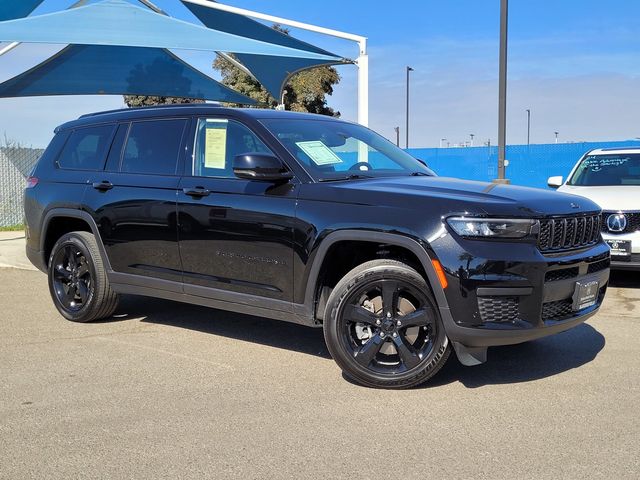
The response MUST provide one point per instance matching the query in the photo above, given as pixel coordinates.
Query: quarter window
(86, 148)
(153, 147)
(218, 142)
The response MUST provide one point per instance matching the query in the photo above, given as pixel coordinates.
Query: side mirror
(261, 167)
(555, 182)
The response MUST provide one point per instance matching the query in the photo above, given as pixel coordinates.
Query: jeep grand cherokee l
(312, 220)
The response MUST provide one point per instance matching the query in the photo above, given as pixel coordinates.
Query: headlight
(491, 227)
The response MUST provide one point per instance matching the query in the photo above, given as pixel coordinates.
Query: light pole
(528, 126)
(406, 145)
(502, 90)
(472, 135)
(556, 133)
(397, 129)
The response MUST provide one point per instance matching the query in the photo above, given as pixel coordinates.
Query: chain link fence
(15, 165)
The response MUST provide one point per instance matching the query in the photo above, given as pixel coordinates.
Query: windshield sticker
(215, 147)
(595, 164)
(319, 153)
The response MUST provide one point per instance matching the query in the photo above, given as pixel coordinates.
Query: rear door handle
(103, 186)
(196, 192)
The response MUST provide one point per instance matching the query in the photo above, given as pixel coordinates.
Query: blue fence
(529, 165)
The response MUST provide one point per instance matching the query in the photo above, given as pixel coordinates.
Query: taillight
(32, 182)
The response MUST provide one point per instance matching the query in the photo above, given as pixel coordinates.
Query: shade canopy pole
(363, 58)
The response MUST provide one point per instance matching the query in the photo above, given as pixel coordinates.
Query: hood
(618, 197)
(451, 195)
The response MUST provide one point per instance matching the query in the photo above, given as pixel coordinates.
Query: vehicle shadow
(509, 364)
(527, 362)
(248, 328)
(624, 279)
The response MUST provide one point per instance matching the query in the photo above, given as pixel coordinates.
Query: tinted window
(115, 153)
(86, 148)
(218, 142)
(153, 147)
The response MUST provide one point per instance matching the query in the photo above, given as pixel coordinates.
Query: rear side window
(153, 147)
(86, 148)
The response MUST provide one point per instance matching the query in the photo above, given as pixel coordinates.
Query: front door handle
(103, 186)
(196, 192)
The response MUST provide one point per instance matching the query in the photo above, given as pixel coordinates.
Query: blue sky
(574, 63)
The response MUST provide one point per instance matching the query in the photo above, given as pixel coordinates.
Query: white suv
(611, 178)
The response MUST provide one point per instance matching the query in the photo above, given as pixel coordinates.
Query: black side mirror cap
(260, 167)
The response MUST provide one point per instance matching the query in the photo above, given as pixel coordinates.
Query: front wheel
(383, 328)
(78, 281)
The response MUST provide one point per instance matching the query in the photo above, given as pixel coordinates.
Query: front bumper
(503, 293)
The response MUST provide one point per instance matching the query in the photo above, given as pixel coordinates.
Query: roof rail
(609, 149)
(151, 107)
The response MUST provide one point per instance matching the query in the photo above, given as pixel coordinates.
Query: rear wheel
(78, 281)
(383, 328)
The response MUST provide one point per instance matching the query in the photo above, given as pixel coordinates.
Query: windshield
(601, 170)
(331, 150)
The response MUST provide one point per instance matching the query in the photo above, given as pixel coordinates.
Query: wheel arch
(54, 216)
(392, 239)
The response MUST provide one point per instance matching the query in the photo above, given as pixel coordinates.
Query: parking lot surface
(167, 390)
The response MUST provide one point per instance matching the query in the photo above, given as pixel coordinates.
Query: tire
(78, 281)
(383, 328)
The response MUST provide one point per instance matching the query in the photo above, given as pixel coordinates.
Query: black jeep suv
(311, 220)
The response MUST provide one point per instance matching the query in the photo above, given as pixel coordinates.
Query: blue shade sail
(10, 9)
(113, 70)
(119, 23)
(272, 72)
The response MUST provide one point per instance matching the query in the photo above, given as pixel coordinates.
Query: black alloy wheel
(383, 326)
(78, 280)
(72, 282)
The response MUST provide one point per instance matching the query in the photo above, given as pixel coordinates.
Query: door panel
(134, 204)
(234, 234)
(239, 237)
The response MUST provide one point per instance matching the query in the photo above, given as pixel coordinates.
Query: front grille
(498, 309)
(557, 310)
(633, 221)
(600, 265)
(567, 233)
(563, 274)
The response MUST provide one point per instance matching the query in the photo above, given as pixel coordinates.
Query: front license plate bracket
(585, 295)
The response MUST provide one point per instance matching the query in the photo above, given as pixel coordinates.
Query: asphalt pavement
(167, 390)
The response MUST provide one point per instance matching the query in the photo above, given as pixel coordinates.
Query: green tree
(147, 100)
(306, 91)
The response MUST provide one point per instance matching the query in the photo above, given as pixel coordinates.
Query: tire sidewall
(335, 305)
(85, 311)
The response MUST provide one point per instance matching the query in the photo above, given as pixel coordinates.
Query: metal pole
(528, 126)
(502, 90)
(406, 144)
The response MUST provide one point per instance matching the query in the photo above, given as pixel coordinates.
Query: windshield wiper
(354, 176)
(420, 174)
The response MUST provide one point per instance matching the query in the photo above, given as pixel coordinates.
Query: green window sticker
(319, 153)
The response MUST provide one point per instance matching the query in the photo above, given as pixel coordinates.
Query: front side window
(218, 142)
(86, 148)
(333, 150)
(602, 170)
(153, 147)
